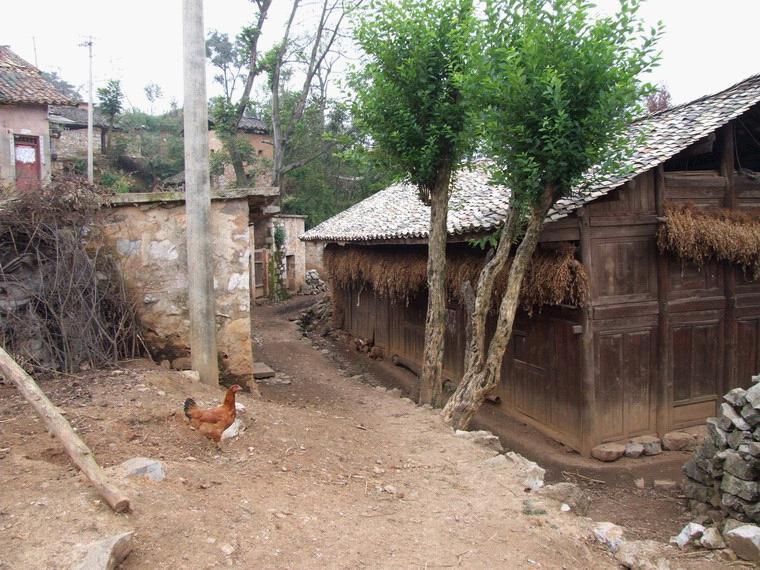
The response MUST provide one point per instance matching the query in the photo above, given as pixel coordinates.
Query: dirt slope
(331, 473)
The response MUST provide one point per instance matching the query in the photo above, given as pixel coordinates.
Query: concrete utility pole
(200, 273)
(90, 165)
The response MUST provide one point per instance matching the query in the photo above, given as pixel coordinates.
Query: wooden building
(663, 334)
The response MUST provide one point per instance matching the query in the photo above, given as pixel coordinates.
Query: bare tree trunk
(435, 322)
(79, 453)
(482, 372)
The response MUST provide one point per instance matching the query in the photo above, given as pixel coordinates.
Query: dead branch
(79, 453)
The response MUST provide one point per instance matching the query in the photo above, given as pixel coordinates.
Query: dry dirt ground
(331, 473)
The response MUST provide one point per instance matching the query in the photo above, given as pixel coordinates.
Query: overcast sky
(708, 44)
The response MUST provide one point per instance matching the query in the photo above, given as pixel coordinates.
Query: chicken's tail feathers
(189, 405)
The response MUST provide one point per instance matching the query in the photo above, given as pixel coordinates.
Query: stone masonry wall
(314, 255)
(293, 246)
(148, 242)
(724, 474)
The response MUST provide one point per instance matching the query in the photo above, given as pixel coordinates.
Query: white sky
(708, 44)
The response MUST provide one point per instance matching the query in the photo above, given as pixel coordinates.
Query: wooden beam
(726, 135)
(588, 365)
(79, 453)
(664, 388)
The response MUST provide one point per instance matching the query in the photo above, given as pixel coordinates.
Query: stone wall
(146, 233)
(72, 143)
(294, 226)
(314, 256)
(724, 474)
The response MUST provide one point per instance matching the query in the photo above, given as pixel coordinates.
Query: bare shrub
(63, 305)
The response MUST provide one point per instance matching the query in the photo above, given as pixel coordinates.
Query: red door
(27, 162)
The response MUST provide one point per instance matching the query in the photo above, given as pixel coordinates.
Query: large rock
(609, 534)
(651, 443)
(717, 435)
(105, 554)
(695, 472)
(642, 555)
(689, 534)
(747, 490)
(737, 505)
(728, 418)
(747, 469)
(736, 397)
(633, 450)
(608, 451)
(700, 492)
(736, 438)
(751, 415)
(711, 539)
(567, 493)
(143, 467)
(482, 438)
(678, 441)
(745, 541)
(753, 395)
(533, 474)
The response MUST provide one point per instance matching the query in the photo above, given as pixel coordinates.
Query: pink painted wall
(28, 120)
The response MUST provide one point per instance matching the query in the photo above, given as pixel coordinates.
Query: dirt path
(331, 473)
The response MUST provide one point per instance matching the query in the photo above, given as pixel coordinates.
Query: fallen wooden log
(80, 454)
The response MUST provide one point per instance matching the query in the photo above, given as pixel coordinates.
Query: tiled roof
(249, 124)
(75, 117)
(478, 206)
(21, 82)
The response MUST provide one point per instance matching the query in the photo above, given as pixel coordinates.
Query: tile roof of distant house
(21, 82)
(476, 205)
(70, 116)
(249, 125)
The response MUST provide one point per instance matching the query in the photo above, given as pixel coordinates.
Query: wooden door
(261, 272)
(27, 154)
(290, 269)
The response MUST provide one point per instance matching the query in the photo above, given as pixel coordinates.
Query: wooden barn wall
(669, 338)
(540, 381)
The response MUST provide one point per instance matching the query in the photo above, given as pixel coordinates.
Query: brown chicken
(213, 421)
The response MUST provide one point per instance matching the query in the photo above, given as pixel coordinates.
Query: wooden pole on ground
(80, 454)
(200, 273)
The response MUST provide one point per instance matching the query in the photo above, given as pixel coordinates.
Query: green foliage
(411, 96)
(111, 99)
(279, 236)
(116, 182)
(559, 89)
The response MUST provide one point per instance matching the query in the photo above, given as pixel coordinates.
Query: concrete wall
(29, 120)
(294, 226)
(314, 256)
(147, 237)
(263, 149)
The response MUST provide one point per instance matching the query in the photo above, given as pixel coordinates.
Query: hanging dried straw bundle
(555, 277)
(702, 234)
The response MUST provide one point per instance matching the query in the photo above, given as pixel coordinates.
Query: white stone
(533, 474)
(564, 507)
(745, 540)
(143, 467)
(496, 461)
(105, 554)
(609, 534)
(481, 437)
(688, 534)
(642, 555)
(163, 249)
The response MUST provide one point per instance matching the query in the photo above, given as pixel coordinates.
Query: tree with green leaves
(414, 100)
(559, 88)
(111, 100)
(153, 93)
(236, 61)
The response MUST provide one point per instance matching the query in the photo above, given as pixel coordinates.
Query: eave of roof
(477, 206)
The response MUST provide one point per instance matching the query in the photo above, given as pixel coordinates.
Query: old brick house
(24, 126)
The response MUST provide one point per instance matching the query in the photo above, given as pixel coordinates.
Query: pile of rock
(313, 285)
(646, 445)
(724, 473)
